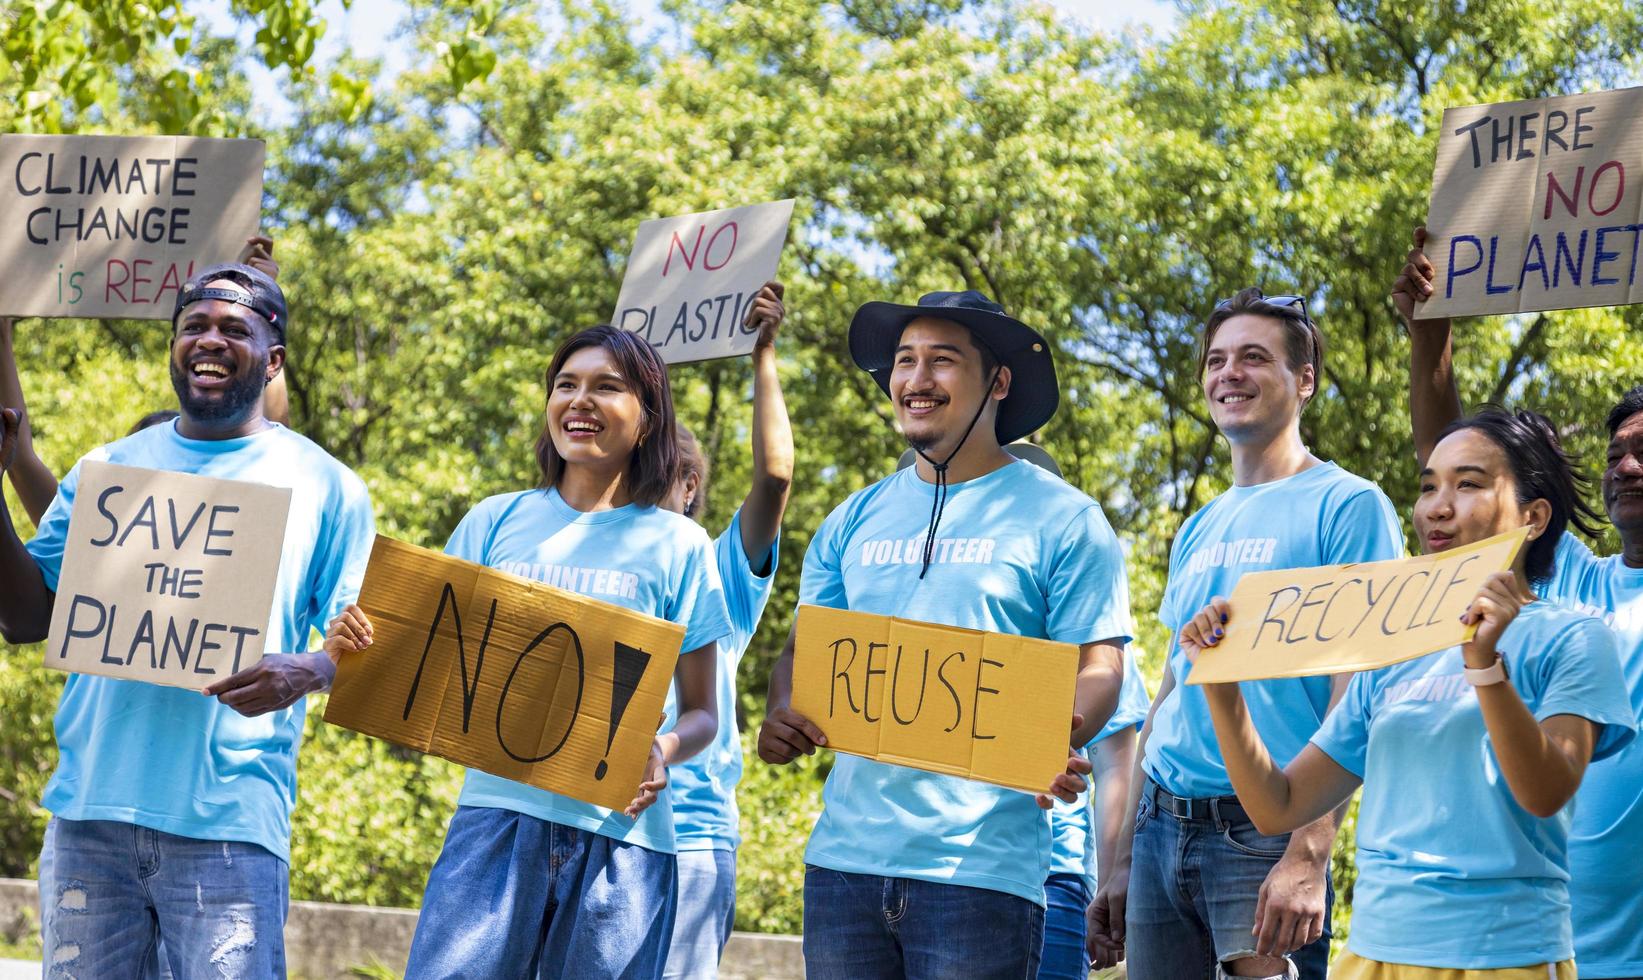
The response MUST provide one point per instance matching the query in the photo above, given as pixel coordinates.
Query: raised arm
(1434, 401)
(25, 602)
(30, 477)
(1543, 761)
(772, 434)
(1277, 800)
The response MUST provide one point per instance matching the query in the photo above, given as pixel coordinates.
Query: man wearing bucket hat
(1209, 896)
(171, 808)
(912, 873)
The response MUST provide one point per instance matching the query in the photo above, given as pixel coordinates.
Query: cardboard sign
(1536, 205)
(1301, 622)
(506, 674)
(984, 706)
(691, 279)
(111, 226)
(167, 577)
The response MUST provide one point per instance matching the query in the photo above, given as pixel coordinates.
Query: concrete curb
(327, 942)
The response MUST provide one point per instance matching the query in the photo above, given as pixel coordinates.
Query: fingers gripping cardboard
(507, 675)
(963, 702)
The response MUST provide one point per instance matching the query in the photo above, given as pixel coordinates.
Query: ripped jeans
(109, 892)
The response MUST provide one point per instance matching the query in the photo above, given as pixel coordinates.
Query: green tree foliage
(441, 232)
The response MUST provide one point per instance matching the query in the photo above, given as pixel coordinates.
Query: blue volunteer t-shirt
(703, 787)
(1320, 516)
(1606, 838)
(1072, 833)
(1452, 872)
(1019, 552)
(641, 558)
(172, 759)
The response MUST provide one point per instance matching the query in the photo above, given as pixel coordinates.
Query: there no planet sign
(692, 278)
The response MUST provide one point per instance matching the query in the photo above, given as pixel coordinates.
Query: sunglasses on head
(1292, 302)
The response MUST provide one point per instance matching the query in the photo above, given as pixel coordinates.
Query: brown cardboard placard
(167, 577)
(691, 278)
(507, 675)
(1536, 205)
(108, 227)
(985, 706)
(1303, 622)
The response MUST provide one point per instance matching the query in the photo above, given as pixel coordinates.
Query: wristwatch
(1495, 673)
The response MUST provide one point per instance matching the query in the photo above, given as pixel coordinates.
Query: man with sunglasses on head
(171, 808)
(1196, 890)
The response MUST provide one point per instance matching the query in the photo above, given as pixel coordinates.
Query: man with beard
(1607, 831)
(912, 873)
(172, 808)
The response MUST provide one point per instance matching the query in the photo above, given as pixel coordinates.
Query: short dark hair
(692, 460)
(1542, 471)
(655, 461)
(1629, 404)
(1303, 343)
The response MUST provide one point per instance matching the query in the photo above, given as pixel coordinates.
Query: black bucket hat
(267, 299)
(1034, 394)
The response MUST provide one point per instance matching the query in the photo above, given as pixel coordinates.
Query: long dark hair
(1542, 471)
(655, 460)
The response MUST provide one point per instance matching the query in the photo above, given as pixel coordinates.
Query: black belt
(1224, 808)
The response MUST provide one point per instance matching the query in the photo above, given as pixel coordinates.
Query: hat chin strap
(940, 502)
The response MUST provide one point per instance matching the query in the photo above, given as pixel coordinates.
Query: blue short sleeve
(822, 581)
(1364, 528)
(1133, 701)
(51, 536)
(1086, 585)
(746, 591)
(699, 602)
(1583, 678)
(344, 551)
(1344, 736)
(473, 533)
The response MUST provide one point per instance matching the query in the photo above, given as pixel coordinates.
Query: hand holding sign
(1414, 284)
(1497, 604)
(348, 632)
(786, 735)
(767, 313)
(277, 681)
(1066, 786)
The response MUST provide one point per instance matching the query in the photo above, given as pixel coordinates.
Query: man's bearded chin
(237, 401)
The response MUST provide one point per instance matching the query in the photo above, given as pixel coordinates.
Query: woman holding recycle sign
(1468, 756)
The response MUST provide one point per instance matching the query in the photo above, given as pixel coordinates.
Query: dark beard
(923, 444)
(236, 404)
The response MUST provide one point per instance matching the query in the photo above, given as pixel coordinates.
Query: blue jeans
(868, 927)
(514, 896)
(1064, 956)
(705, 915)
(1193, 886)
(109, 892)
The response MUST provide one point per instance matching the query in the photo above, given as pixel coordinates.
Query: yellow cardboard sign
(985, 706)
(1536, 205)
(167, 577)
(1301, 622)
(507, 675)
